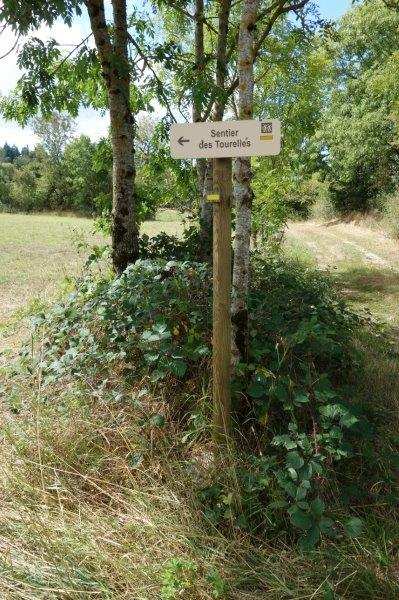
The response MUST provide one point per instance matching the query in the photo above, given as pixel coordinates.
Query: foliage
(166, 332)
(359, 121)
(294, 398)
(177, 577)
(36, 181)
(171, 247)
(64, 173)
(54, 132)
(390, 212)
(291, 87)
(10, 153)
(298, 400)
(161, 181)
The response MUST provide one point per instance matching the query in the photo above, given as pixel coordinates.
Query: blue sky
(333, 8)
(89, 122)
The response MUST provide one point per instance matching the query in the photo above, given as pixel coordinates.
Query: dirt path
(365, 263)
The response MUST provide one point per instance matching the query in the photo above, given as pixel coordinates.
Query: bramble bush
(294, 407)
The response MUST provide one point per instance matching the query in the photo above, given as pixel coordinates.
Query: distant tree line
(31, 180)
(9, 153)
(71, 173)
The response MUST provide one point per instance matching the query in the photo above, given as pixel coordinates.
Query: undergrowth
(112, 486)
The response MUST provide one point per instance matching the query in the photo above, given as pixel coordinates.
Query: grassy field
(38, 251)
(363, 262)
(79, 519)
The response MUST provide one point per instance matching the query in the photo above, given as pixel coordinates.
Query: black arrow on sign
(182, 141)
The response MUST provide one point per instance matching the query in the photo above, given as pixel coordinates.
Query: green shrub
(153, 319)
(298, 408)
(293, 402)
(391, 214)
(170, 247)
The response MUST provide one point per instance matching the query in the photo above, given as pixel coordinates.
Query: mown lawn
(38, 251)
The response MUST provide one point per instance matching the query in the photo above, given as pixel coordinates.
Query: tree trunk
(116, 73)
(206, 212)
(206, 216)
(242, 186)
(221, 58)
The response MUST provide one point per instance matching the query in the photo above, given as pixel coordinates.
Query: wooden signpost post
(223, 141)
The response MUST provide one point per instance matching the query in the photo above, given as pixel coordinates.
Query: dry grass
(364, 262)
(80, 519)
(96, 505)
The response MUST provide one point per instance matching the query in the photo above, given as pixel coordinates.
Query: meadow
(39, 253)
(93, 508)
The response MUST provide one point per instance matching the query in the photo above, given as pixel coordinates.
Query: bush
(391, 214)
(118, 378)
(153, 319)
(170, 247)
(293, 402)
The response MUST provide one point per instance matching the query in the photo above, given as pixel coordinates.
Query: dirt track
(364, 262)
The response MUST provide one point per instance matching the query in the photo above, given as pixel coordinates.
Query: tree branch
(11, 49)
(280, 9)
(159, 82)
(70, 54)
(187, 14)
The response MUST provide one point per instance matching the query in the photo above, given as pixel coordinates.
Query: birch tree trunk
(206, 210)
(242, 186)
(116, 73)
(222, 58)
(205, 187)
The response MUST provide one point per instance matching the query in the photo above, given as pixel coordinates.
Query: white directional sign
(226, 139)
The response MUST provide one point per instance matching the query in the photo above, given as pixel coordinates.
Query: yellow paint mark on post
(267, 138)
(213, 198)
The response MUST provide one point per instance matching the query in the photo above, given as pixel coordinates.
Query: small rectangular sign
(224, 139)
(213, 198)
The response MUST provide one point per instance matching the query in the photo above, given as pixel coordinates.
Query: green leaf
(353, 527)
(294, 460)
(256, 390)
(158, 420)
(284, 440)
(299, 518)
(317, 507)
(328, 592)
(301, 399)
(308, 540)
(178, 367)
(302, 490)
(327, 527)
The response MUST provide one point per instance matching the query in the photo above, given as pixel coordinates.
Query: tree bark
(116, 73)
(221, 59)
(206, 211)
(242, 187)
(206, 216)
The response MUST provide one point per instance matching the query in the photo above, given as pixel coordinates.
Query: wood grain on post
(222, 173)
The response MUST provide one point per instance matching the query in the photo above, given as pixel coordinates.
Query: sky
(89, 122)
